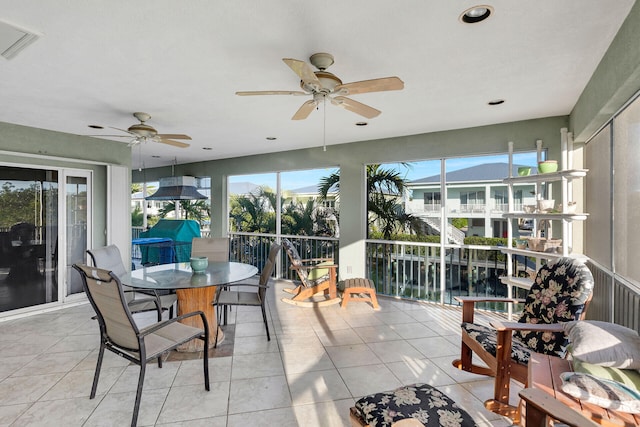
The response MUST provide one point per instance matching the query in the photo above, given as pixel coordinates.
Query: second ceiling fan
(322, 84)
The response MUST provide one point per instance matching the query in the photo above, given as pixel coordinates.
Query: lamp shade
(177, 188)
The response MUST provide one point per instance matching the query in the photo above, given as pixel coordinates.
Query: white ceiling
(182, 62)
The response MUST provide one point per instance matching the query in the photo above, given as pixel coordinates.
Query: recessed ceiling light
(476, 14)
(96, 127)
(207, 148)
(271, 138)
(361, 123)
(496, 102)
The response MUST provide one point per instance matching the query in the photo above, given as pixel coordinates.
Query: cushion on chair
(487, 338)
(423, 402)
(558, 294)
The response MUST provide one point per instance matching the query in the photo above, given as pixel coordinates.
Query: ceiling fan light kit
(322, 84)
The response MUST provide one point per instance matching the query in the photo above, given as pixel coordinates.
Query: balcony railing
(412, 270)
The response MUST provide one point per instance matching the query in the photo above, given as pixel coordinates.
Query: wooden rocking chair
(317, 275)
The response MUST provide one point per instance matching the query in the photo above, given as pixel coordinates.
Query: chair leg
(136, 406)
(264, 317)
(94, 387)
(205, 360)
(219, 316)
(374, 299)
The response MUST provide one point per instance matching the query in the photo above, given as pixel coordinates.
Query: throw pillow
(603, 343)
(604, 393)
(628, 377)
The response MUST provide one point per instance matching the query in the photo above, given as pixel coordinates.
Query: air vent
(13, 40)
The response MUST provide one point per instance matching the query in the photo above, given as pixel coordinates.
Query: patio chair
(139, 300)
(560, 293)
(120, 334)
(214, 248)
(317, 275)
(227, 297)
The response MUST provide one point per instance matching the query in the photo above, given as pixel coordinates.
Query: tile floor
(318, 362)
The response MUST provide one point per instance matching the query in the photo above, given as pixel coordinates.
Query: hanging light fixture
(177, 188)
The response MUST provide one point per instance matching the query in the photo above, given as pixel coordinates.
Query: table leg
(198, 299)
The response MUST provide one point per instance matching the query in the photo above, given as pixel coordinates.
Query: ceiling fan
(142, 132)
(322, 84)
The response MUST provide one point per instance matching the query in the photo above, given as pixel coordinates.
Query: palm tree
(198, 210)
(253, 212)
(384, 187)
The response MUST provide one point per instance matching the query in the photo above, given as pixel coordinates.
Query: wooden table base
(198, 299)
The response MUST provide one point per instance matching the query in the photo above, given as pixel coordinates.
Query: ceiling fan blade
(271, 92)
(375, 85)
(173, 136)
(123, 130)
(304, 111)
(355, 107)
(174, 143)
(111, 136)
(305, 72)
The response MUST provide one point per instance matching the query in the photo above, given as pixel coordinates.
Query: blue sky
(299, 179)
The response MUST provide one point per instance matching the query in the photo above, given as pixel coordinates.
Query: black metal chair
(109, 258)
(228, 296)
(120, 334)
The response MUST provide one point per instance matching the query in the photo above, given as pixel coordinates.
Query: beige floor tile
(364, 380)
(191, 372)
(435, 347)
(377, 333)
(256, 365)
(18, 390)
(116, 409)
(154, 378)
(312, 361)
(413, 330)
(9, 413)
(394, 351)
(77, 384)
(257, 394)
(48, 363)
(317, 386)
(339, 337)
(283, 417)
(194, 402)
(65, 412)
(254, 345)
(419, 371)
(10, 365)
(202, 422)
(352, 355)
(334, 414)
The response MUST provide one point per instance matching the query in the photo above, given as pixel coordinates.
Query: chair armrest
(468, 304)
(517, 326)
(540, 403)
(153, 328)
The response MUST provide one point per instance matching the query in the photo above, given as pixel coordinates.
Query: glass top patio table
(180, 276)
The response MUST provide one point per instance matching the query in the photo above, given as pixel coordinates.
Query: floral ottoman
(423, 402)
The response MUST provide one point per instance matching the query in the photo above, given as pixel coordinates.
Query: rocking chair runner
(561, 293)
(317, 275)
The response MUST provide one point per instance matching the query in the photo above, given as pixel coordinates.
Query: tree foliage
(384, 188)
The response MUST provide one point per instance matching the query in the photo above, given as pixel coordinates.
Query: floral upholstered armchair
(560, 293)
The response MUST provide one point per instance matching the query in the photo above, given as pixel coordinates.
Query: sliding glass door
(44, 223)
(28, 237)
